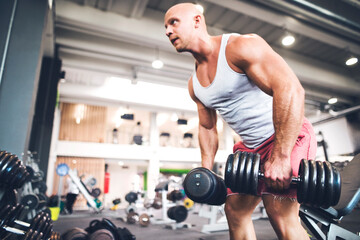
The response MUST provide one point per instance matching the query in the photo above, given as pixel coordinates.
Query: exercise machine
(324, 222)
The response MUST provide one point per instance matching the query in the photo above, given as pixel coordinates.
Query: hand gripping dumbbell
(318, 184)
(203, 186)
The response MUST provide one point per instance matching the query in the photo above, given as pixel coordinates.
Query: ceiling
(98, 39)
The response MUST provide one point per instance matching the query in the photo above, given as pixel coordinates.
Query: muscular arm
(271, 73)
(208, 137)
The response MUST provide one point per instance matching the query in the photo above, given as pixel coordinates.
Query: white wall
(337, 136)
(121, 182)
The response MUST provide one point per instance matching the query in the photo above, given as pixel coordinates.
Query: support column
(154, 163)
(23, 23)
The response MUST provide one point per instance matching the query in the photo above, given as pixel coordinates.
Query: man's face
(178, 28)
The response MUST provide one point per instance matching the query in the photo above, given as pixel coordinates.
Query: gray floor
(195, 223)
(263, 228)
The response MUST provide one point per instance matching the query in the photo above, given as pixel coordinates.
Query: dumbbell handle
(294, 180)
(14, 230)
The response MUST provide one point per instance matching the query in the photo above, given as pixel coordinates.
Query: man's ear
(197, 19)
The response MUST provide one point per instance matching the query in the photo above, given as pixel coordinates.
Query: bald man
(262, 100)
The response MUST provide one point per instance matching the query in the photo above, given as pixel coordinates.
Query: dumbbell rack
(164, 207)
(214, 224)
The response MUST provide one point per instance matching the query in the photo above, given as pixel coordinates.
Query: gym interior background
(79, 85)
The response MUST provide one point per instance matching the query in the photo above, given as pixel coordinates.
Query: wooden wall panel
(91, 125)
(94, 167)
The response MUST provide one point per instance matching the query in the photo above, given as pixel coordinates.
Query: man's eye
(174, 21)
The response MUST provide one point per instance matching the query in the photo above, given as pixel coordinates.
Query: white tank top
(246, 108)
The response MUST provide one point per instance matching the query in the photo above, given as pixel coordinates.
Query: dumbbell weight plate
(14, 214)
(102, 234)
(255, 174)
(337, 187)
(302, 188)
(144, 220)
(75, 233)
(320, 186)
(30, 200)
(234, 172)
(96, 192)
(132, 217)
(241, 187)
(20, 177)
(9, 198)
(247, 173)
(311, 195)
(329, 185)
(188, 203)
(8, 168)
(131, 197)
(228, 169)
(30, 170)
(200, 185)
(180, 213)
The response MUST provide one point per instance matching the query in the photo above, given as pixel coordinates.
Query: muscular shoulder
(245, 48)
(244, 41)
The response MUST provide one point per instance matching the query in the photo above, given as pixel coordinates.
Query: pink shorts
(305, 148)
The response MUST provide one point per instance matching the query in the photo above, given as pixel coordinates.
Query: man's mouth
(173, 40)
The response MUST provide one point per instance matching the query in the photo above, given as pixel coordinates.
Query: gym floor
(263, 228)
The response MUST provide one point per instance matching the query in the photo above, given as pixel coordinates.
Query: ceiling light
(157, 64)
(332, 100)
(200, 8)
(288, 40)
(351, 61)
(120, 163)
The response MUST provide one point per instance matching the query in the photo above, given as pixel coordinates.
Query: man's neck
(205, 49)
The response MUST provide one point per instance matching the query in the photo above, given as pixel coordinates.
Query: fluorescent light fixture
(200, 8)
(157, 64)
(332, 100)
(351, 61)
(288, 40)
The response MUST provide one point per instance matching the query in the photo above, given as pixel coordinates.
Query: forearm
(288, 114)
(208, 141)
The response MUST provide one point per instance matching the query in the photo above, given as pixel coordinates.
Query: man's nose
(168, 31)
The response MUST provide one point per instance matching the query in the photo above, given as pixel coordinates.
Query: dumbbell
(41, 225)
(203, 186)
(131, 197)
(318, 184)
(133, 217)
(174, 195)
(13, 173)
(177, 213)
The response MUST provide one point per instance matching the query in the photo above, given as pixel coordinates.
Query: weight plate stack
(320, 184)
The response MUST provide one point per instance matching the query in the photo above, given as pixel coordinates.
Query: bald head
(184, 24)
(188, 8)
